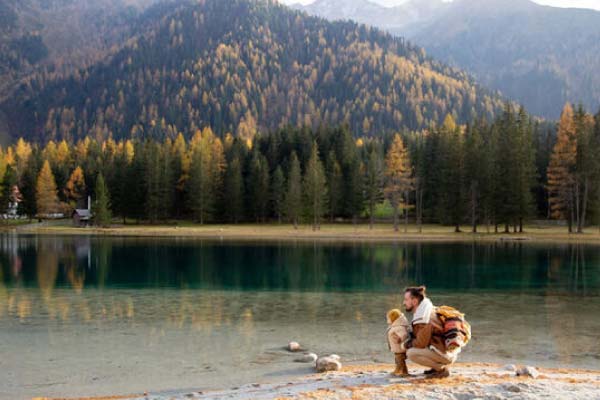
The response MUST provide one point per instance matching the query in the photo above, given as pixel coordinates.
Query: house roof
(83, 213)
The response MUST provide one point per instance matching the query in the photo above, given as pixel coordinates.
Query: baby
(397, 334)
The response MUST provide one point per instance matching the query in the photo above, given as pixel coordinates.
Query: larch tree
(75, 189)
(560, 173)
(398, 179)
(46, 192)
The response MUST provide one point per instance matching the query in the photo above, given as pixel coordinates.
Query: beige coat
(397, 333)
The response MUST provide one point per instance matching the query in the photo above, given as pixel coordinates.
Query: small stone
(528, 371)
(293, 346)
(510, 368)
(329, 363)
(513, 388)
(307, 358)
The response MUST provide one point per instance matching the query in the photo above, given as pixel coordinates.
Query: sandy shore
(373, 382)
(328, 232)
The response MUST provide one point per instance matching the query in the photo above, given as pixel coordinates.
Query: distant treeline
(497, 174)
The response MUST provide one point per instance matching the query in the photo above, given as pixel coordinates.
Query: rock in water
(307, 358)
(293, 346)
(329, 363)
(528, 371)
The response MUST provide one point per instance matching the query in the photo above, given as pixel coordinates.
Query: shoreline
(373, 382)
(327, 233)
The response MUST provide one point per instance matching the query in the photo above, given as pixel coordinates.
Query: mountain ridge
(244, 67)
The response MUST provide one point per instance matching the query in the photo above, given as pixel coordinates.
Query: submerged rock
(293, 346)
(328, 363)
(307, 358)
(528, 371)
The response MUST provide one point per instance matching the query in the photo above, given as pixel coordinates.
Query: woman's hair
(393, 315)
(417, 292)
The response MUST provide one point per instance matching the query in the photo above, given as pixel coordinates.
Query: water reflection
(91, 315)
(85, 262)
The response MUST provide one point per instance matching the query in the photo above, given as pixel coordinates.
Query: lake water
(92, 316)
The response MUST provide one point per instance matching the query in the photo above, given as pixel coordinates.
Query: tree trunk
(396, 219)
(521, 225)
(371, 211)
(406, 212)
(584, 206)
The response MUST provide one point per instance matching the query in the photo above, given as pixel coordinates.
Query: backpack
(456, 331)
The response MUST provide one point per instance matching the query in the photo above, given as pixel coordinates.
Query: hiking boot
(401, 368)
(443, 373)
(429, 371)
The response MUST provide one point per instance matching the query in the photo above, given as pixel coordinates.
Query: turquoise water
(93, 316)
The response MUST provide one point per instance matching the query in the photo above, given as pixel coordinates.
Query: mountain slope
(541, 56)
(59, 34)
(242, 66)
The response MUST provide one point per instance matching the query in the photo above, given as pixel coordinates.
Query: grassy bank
(333, 232)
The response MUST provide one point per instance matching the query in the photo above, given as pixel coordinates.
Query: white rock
(328, 363)
(293, 346)
(335, 357)
(510, 368)
(307, 358)
(528, 371)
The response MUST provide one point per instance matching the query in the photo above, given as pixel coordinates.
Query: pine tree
(335, 184)
(278, 193)
(293, 197)
(475, 175)
(234, 191)
(374, 183)
(258, 186)
(451, 169)
(46, 192)
(526, 169)
(398, 178)
(101, 207)
(10, 191)
(315, 190)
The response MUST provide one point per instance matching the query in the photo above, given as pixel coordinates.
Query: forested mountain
(537, 55)
(245, 66)
(540, 56)
(60, 34)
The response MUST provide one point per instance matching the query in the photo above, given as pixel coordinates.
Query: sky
(593, 4)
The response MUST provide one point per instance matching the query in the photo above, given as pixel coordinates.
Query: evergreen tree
(258, 186)
(293, 197)
(101, 207)
(315, 190)
(234, 191)
(374, 183)
(278, 193)
(335, 184)
(451, 169)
